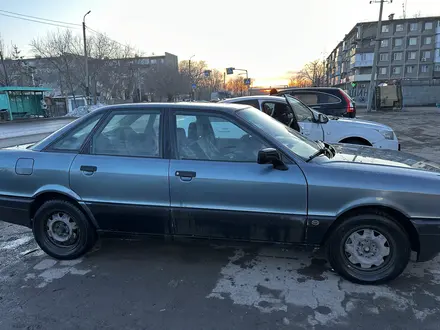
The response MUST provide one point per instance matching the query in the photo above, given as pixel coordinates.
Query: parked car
(328, 100)
(317, 126)
(167, 170)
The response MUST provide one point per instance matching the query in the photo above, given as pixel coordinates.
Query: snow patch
(84, 110)
(273, 284)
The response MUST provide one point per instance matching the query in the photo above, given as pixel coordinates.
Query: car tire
(357, 248)
(62, 230)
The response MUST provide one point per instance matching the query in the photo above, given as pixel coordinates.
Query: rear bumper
(429, 238)
(15, 210)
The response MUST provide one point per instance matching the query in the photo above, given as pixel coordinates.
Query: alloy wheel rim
(62, 230)
(367, 249)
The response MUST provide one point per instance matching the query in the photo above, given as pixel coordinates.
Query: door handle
(185, 175)
(87, 168)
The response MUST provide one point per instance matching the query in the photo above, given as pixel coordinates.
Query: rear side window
(129, 135)
(307, 98)
(75, 138)
(317, 98)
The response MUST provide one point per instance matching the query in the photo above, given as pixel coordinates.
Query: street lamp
(85, 55)
(190, 78)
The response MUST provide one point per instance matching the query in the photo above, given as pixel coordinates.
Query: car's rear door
(122, 173)
(218, 190)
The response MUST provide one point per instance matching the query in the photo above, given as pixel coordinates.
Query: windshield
(285, 135)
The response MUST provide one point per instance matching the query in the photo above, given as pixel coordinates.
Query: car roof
(255, 97)
(328, 89)
(198, 106)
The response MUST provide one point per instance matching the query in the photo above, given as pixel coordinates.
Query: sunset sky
(269, 38)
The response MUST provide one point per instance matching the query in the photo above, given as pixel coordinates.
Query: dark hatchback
(328, 100)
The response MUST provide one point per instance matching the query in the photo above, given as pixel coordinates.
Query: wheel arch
(400, 218)
(61, 193)
(358, 138)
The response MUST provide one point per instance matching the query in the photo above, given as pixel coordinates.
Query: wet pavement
(149, 284)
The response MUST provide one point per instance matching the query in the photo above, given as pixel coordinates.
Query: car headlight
(389, 135)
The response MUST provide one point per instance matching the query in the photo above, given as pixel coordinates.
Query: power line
(41, 22)
(90, 29)
(39, 18)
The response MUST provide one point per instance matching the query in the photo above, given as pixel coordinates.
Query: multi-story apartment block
(409, 50)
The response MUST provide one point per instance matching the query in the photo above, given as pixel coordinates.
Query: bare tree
(313, 74)
(61, 49)
(4, 78)
(236, 85)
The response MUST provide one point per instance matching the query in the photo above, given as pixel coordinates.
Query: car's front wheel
(369, 248)
(62, 230)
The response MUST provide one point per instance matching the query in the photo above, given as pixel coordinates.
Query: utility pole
(372, 86)
(4, 68)
(86, 57)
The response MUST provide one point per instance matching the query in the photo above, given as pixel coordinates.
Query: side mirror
(271, 156)
(322, 119)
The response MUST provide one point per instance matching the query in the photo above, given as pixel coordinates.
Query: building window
(409, 69)
(383, 71)
(162, 61)
(153, 61)
(363, 57)
(383, 57)
(426, 54)
(437, 67)
(385, 28)
(413, 27)
(412, 55)
(399, 27)
(398, 56)
(384, 43)
(428, 26)
(398, 42)
(428, 40)
(413, 41)
(397, 70)
(424, 68)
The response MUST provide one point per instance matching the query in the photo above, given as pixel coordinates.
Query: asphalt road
(17, 133)
(141, 284)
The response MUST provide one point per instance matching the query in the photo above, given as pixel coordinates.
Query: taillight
(350, 105)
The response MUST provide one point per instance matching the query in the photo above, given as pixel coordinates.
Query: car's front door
(122, 175)
(310, 128)
(218, 190)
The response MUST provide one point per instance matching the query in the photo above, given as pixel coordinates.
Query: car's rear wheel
(369, 248)
(62, 230)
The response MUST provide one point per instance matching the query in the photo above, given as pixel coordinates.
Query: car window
(74, 139)
(205, 137)
(302, 112)
(283, 134)
(307, 98)
(253, 103)
(279, 111)
(133, 135)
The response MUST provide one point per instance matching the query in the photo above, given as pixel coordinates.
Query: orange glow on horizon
(270, 82)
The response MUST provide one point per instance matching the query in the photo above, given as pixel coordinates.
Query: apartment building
(409, 52)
